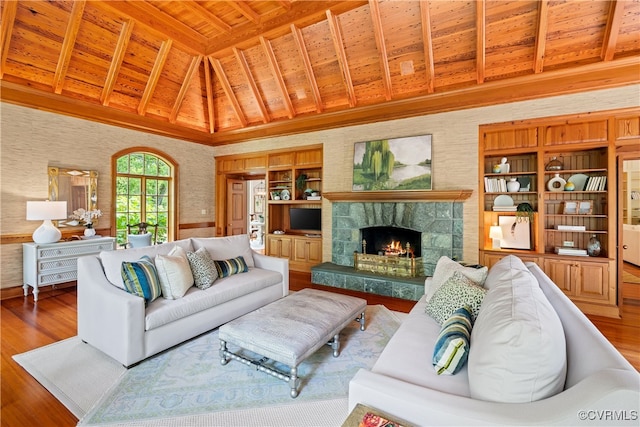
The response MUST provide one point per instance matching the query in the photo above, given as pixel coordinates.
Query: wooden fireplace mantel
(397, 196)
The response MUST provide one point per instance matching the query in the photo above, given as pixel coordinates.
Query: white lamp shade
(41, 210)
(46, 211)
(495, 232)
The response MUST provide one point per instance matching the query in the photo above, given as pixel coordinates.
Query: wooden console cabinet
(53, 263)
(542, 153)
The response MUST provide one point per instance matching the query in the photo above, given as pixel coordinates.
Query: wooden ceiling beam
(300, 14)
(212, 18)
(245, 10)
(616, 11)
(246, 72)
(541, 38)
(69, 41)
(193, 67)
(481, 12)
(228, 90)
(308, 69)
(159, 24)
(9, 10)
(116, 61)
(156, 71)
(336, 35)
(382, 48)
(427, 42)
(277, 75)
(208, 79)
(285, 4)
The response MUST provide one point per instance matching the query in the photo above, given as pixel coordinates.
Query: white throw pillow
(174, 273)
(445, 269)
(221, 248)
(518, 349)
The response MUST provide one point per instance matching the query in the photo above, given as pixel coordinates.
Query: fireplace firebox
(392, 251)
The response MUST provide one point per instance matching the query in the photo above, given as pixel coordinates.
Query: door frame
(622, 153)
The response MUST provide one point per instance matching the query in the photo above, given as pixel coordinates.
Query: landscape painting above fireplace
(393, 164)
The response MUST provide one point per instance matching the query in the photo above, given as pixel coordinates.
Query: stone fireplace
(438, 227)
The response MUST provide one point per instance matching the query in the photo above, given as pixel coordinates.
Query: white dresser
(51, 263)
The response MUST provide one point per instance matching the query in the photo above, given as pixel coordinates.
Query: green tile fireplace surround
(441, 227)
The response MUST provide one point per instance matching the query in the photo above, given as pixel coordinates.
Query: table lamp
(495, 233)
(46, 211)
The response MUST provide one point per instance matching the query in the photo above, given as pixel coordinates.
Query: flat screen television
(305, 219)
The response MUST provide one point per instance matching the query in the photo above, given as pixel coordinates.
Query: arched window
(144, 192)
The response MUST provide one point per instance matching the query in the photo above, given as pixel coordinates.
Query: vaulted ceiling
(217, 72)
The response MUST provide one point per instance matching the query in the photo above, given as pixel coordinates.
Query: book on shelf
(505, 208)
(495, 185)
(596, 183)
(571, 227)
(567, 250)
(314, 197)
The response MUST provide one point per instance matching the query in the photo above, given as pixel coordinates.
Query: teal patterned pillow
(452, 346)
(203, 268)
(456, 292)
(231, 266)
(141, 278)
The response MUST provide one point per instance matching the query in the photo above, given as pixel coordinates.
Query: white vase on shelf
(89, 231)
(556, 183)
(513, 185)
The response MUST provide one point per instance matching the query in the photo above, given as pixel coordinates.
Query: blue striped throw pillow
(452, 347)
(231, 266)
(141, 278)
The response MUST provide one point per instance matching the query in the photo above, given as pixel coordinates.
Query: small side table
(52, 263)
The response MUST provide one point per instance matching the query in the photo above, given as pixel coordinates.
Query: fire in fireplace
(392, 251)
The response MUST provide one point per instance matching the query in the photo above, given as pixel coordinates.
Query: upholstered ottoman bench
(291, 329)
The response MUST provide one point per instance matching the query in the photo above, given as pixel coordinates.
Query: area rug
(187, 385)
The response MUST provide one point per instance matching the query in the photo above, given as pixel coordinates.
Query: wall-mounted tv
(305, 219)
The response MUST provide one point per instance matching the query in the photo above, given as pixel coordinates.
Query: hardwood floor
(25, 326)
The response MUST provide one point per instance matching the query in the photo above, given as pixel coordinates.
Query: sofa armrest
(109, 318)
(281, 265)
(610, 391)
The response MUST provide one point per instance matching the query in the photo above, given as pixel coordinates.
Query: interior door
(236, 207)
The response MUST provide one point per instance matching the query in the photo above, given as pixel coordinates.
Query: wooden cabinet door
(279, 246)
(594, 281)
(563, 273)
(315, 251)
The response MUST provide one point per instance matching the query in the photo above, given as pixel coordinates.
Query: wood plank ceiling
(217, 72)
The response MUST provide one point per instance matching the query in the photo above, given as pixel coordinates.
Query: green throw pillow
(141, 278)
(452, 346)
(231, 266)
(456, 292)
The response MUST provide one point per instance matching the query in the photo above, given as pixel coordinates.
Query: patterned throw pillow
(141, 278)
(456, 292)
(445, 269)
(231, 266)
(452, 347)
(203, 268)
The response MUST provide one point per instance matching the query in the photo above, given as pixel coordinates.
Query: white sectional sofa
(121, 325)
(597, 385)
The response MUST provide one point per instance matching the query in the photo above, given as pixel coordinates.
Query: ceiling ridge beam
(116, 61)
(246, 72)
(9, 10)
(69, 41)
(228, 90)
(277, 75)
(541, 37)
(612, 30)
(336, 35)
(208, 81)
(481, 30)
(193, 67)
(156, 71)
(212, 18)
(308, 69)
(245, 10)
(427, 43)
(382, 48)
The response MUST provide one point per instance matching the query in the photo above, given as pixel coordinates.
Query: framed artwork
(516, 232)
(577, 207)
(393, 164)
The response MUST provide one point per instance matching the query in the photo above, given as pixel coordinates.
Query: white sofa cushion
(112, 260)
(163, 311)
(445, 269)
(221, 248)
(174, 273)
(518, 349)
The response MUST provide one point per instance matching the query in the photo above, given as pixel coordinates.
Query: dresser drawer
(59, 277)
(58, 264)
(79, 250)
